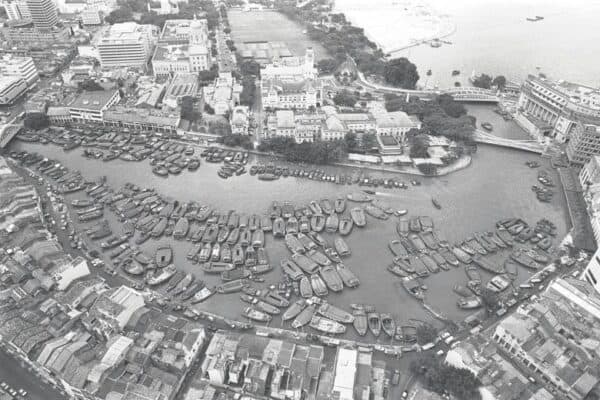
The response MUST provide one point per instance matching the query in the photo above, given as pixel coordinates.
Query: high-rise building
(584, 143)
(16, 9)
(43, 13)
(20, 67)
(126, 45)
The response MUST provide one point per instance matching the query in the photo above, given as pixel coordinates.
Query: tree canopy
(345, 98)
(483, 81)
(402, 73)
(318, 152)
(36, 121)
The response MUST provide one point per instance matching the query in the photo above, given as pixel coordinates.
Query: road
(19, 377)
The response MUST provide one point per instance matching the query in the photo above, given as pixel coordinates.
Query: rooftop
(96, 100)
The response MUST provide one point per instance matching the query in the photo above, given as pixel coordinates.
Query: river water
(494, 37)
(496, 185)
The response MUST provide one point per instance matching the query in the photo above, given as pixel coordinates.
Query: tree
(250, 67)
(402, 73)
(450, 106)
(351, 140)
(208, 109)
(499, 82)
(483, 81)
(36, 121)
(368, 141)
(122, 14)
(418, 146)
(490, 300)
(426, 333)
(327, 65)
(188, 110)
(90, 85)
(345, 98)
(248, 95)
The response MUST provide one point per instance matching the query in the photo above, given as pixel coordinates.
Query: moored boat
(163, 256)
(291, 269)
(347, 276)
(231, 287)
(331, 278)
(335, 314)
(341, 247)
(318, 286)
(326, 325)
(346, 225)
(256, 315)
(360, 321)
(374, 323)
(358, 216)
(388, 325)
(332, 223)
(304, 317)
(294, 310)
(305, 287)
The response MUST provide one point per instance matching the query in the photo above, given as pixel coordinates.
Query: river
(494, 37)
(496, 185)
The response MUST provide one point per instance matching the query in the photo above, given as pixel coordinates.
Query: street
(19, 377)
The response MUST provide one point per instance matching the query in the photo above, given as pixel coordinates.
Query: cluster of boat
(544, 193)
(218, 155)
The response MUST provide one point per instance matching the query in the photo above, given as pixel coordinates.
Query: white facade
(43, 13)
(223, 95)
(126, 45)
(90, 106)
(91, 16)
(291, 68)
(11, 88)
(294, 95)
(345, 374)
(239, 120)
(590, 173)
(20, 67)
(16, 10)
(592, 271)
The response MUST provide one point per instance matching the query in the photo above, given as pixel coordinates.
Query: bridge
(8, 132)
(526, 145)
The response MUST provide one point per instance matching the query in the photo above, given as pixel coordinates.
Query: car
(3, 385)
(23, 392)
(449, 339)
(396, 377)
(405, 394)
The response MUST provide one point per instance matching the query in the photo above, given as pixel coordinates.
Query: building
(299, 94)
(183, 46)
(90, 106)
(16, 10)
(240, 121)
(590, 172)
(303, 127)
(43, 13)
(224, 94)
(142, 119)
(345, 373)
(20, 67)
(584, 142)
(126, 45)
(11, 88)
(25, 34)
(395, 124)
(592, 271)
(91, 16)
(291, 68)
(558, 105)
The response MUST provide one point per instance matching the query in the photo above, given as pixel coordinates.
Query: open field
(256, 26)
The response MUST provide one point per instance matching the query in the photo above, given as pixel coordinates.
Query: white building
(590, 172)
(287, 94)
(16, 10)
(239, 120)
(91, 16)
(592, 271)
(182, 85)
(20, 67)
(395, 124)
(43, 13)
(303, 127)
(345, 374)
(90, 106)
(67, 273)
(11, 88)
(182, 47)
(291, 68)
(224, 94)
(126, 45)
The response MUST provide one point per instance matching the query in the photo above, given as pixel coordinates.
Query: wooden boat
(291, 226)
(268, 308)
(163, 256)
(511, 267)
(487, 265)
(332, 223)
(358, 197)
(439, 260)
(304, 317)
(449, 257)
(429, 240)
(234, 274)
(417, 242)
(469, 303)
(462, 255)
(430, 263)
(318, 239)
(275, 299)
(498, 283)
(231, 287)
(223, 234)
(181, 228)
(331, 278)
(346, 225)
(335, 314)
(339, 205)
(304, 224)
(202, 295)
(388, 325)
(238, 256)
(279, 227)
(326, 206)
(414, 225)
(216, 267)
(275, 210)
(306, 264)
(358, 216)
(462, 291)
(326, 325)
(291, 269)
(163, 277)
(473, 273)
(306, 241)
(414, 287)
(315, 207)
(261, 256)
(347, 276)
(133, 268)
(256, 315)
(318, 257)
(360, 321)
(418, 266)
(204, 254)
(305, 287)
(318, 286)
(376, 212)
(258, 238)
(374, 322)
(403, 227)
(397, 248)
(396, 270)
(317, 222)
(294, 244)
(233, 236)
(294, 310)
(246, 298)
(226, 254)
(341, 247)
(266, 224)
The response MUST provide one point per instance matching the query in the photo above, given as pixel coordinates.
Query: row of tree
(486, 81)
(243, 141)
(318, 152)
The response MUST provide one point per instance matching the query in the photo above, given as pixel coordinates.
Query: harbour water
(497, 185)
(494, 37)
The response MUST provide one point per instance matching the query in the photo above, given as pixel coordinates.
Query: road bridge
(526, 145)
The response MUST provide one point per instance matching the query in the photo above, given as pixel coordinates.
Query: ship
(163, 256)
(294, 310)
(376, 212)
(374, 323)
(326, 325)
(306, 264)
(462, 255)
(388, 324)
(291, 269)
(215, 254)
(279, 227)
(250, 259)
(332, 279)
(469, 303)
(291, 226)
(358, 197)
(358, 216)
(238, 257)
(487, 265)
(259, 269)
(235, 274)
(403, 227)
(360, 321)
(339, 205)
(347, 276)
(80, 203)
(326, 206)
(181, 228)
(204, 254)
(233, 236)
(335, 314)
(315, 207)
(305, 287)
(318, 286)
(306, 241)
(498, 283)
(253, 222)
(256, 315)
(223, 234)
(275, 299)
(397, 248)
(266, 224)
(258, 238)
(226, 253)
(245, 237)
(341, 247)
(414, 287)
(346, 225)
(159, 228)
(304, 317)
(164, 276)
(332, 223)
(231, 287)
(202, 294)
(317, 222)
(216, 267)
(268, 308)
